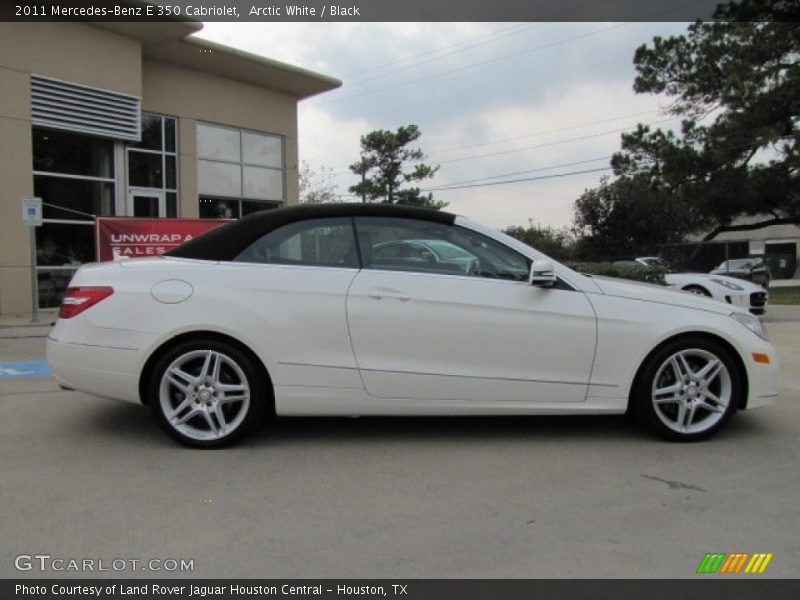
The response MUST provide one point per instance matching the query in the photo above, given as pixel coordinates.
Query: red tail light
(78, 299)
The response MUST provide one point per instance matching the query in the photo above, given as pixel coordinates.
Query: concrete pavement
(497, 497)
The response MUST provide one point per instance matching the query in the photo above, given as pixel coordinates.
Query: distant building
(133, 119)
(779, 244)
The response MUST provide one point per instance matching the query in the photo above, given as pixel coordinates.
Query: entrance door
(146, 203)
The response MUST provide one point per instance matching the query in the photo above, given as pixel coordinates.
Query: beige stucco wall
(195, 96)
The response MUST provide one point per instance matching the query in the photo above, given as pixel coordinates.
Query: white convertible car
(724, 288)
(292, 312)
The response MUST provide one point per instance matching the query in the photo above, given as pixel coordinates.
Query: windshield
(735, 264)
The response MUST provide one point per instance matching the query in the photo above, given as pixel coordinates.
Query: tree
(317, 186)
(387, 163)
(736, 83)
(619, 218)
(556, 243)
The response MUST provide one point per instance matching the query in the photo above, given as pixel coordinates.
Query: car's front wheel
(206, 393)
(698, 290)
(688, 389)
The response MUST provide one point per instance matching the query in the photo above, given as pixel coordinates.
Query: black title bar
(708, 588)
(358, 10)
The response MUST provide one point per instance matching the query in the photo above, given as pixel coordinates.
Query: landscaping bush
(635, 272)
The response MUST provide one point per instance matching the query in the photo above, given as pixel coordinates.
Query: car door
(294, 280)
(431, 332)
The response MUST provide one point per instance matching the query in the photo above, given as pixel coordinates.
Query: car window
(315, 242)
(427, 247)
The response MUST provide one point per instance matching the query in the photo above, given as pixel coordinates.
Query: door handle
(386, 293)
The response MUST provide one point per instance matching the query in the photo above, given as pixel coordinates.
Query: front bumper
(762, 378)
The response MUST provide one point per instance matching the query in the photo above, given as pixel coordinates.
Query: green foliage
(388, 163)
(606, 269)
(618, 218)
(784, 295)
(558, 243)
(736, 83)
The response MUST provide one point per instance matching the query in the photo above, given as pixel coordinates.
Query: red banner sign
(139, 238)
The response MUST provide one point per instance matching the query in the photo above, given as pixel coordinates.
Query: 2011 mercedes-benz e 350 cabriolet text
(384, 310)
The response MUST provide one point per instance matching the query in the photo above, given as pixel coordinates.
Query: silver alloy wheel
(204, 395)
(691, 391)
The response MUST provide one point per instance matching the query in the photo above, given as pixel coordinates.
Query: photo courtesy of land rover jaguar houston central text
(369, 309)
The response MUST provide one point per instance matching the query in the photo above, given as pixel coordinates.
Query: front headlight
(752, 323)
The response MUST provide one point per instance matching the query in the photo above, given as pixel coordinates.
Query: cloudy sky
(518, 100)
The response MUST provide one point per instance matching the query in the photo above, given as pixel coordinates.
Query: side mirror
(542, 274)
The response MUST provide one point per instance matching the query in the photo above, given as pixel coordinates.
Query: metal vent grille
(72, 107)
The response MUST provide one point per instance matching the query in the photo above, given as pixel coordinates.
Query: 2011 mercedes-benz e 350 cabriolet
(295, 312)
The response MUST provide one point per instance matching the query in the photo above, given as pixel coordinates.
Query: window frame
(164, 154)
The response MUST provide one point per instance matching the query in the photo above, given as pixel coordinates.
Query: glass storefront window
(218, 143)
(214, 208)
(74, 176)
(244, 166)
(151, 133)
(172, 204)
(52, 285)
(221, 208)
(72, 154)
(64, 244)
(251, 207)
(153, 163)
(145, 169)
(74, 199)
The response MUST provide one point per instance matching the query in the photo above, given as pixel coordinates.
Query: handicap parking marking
(25, 369)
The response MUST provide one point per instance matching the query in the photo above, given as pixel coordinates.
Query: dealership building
(138, 120)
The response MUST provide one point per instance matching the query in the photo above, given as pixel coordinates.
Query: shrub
(635, 272)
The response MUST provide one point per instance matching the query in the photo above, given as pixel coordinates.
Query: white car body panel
(458, 345)
(425, 336)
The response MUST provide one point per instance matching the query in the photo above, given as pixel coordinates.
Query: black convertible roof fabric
(228, 241)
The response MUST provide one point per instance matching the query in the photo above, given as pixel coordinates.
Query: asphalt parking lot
(401, 498)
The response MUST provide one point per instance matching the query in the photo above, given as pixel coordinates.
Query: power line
(481, 179)
(554, 143)
(572, 127)
(517, 30)
(496, 34)
(522, 52)
(525, 179)
(478, 64)
(434, 50)
(529, 135)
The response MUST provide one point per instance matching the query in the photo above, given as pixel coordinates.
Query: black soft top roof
(228, 241)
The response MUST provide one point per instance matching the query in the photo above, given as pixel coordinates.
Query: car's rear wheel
(207, 393)
(688, 389)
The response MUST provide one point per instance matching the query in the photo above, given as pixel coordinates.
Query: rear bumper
(98, 370)
(101, 361)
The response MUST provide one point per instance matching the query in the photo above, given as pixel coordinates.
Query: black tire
(228, 355)
(643, 403)
(697, 289)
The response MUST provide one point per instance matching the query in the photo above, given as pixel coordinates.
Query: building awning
(169, 43)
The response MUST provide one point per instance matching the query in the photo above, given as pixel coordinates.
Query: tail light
(78, 299)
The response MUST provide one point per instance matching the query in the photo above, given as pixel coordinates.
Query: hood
(745, 284)
(647, 292)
